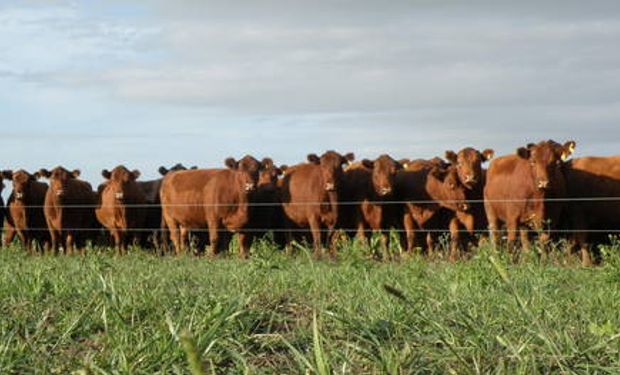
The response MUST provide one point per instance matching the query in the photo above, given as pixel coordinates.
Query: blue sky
(91, 84)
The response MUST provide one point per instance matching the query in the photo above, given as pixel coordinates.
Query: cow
(183, 204)
(367, 193)
(430, 190)
(227, 202)
(523, 190)
(309, 193)
(266, 213)
(2, 208)
(468, 162)
(25, 216)
(122, 207)
(69, 210)
(592, 215)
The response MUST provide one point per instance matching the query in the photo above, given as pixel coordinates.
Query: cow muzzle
(543, 184)
(19, 195)
(119, 196)
(330, 186)
(60, 193)
(470, 179)
(250, 187)
(463, 207)
(385, 191)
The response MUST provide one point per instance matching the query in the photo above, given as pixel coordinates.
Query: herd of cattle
(538, 191)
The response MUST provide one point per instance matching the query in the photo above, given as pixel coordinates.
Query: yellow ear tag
(405, 166)
(564, 156)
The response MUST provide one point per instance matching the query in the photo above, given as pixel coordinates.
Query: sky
(93, 84)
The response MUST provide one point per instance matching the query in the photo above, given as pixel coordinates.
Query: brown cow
(518, 186)
(69, 210)
(226, 202)
(468, 162)
(265, 207)
(431, 190)
(122, 207)
(25, 216)
(183, 206)
(367, 189)
(2, 208)
(593, 220)
(309, 193)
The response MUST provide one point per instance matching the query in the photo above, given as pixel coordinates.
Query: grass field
(143, 314)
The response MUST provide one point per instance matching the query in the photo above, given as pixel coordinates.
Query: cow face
(248, 168)
(331, 167)
(545, 160)
(268, 176)
(59, 178)
(120, 181)
(384, 171)
(452, 192)
(21, 180)
(468, 164)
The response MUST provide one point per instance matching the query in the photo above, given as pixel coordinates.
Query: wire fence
(327, 203)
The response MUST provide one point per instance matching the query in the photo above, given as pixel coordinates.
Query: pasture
(144, 314)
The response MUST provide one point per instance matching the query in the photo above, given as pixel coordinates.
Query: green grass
(141, 314)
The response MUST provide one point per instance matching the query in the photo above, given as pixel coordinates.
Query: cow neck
(241, 207)
(436, 191)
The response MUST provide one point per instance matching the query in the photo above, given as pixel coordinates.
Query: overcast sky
(91, 84)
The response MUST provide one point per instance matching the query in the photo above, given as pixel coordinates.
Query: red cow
(69, 210)
(518, 188)
(309, 195)
(26, 217)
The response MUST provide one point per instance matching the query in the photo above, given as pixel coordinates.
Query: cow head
(545, 159)
(59, 178)
(384, 170)
(21, 180)
(248, 168)
(268, 176)
(178, 167)
(119, 181)
(451, 193)
(331, 167)
(468, 164)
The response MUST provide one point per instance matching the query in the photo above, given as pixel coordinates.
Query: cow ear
(44, 173)
(8, 174)
(349, 157)
(314, 159)
(487, 154)
(523, 152)
(231, 163)
(368, 163)
(568, 149)
(76, 173)
(135, 174)
(162, 171)
(106, 174)
(451, 156)
(283, 168)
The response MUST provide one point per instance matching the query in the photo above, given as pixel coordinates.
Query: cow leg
(525, 239)
(493, 226)
(54, 241)
(430, 244)
(245, 241)
(512, 226)
(409, 232)
(213, 239)
(454, 239)
(315, 228)
(9, 235)
(69, 243)
(116, 237)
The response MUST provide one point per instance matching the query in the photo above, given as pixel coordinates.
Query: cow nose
(250, 186)
(59, 193)
(464, 207)
(543, 184)
(471, 179)
(19, 195)
(119, 196)
(330, 186)
(385, 191)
